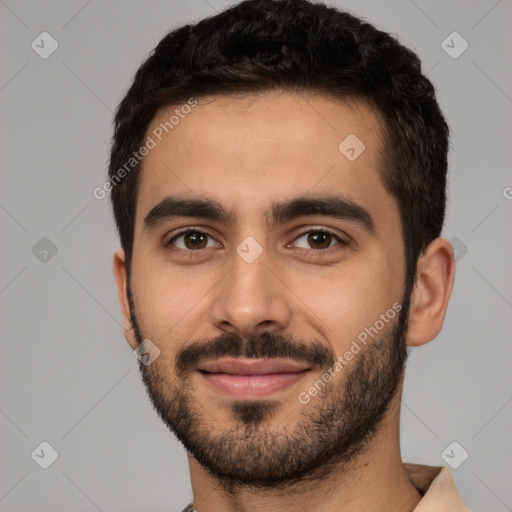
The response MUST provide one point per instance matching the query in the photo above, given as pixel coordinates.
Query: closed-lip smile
(251, 378)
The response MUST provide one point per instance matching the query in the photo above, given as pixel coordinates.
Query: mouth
(251, 378)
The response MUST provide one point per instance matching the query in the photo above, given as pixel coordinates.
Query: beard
(332, 430)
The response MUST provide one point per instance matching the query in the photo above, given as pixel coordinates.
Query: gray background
(67, 375)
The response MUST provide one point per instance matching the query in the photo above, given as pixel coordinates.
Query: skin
(247, 152)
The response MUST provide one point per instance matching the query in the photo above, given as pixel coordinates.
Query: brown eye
(190, 240)
(318, 239)
(195, 240)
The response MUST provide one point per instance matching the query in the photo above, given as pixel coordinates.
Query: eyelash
(318, 252)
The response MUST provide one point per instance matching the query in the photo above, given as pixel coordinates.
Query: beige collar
(436, 485)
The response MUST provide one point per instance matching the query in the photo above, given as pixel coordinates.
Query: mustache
(265, 345)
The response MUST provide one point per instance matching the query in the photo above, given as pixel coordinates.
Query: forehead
(248, 151)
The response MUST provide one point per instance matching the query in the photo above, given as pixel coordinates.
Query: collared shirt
(434, 483)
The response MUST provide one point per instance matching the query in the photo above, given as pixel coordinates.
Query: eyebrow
(335, 206)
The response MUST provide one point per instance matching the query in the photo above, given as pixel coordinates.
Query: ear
(435, 274)
(120, 276)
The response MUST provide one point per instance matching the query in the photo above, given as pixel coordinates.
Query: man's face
(250, 312)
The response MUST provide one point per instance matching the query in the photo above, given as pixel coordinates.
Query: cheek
(166, 301)
(345, 301)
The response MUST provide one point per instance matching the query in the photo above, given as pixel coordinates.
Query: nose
(251, 299)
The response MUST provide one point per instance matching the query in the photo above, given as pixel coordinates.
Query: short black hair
(297, 46)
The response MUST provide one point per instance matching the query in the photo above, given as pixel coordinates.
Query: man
(278, 178)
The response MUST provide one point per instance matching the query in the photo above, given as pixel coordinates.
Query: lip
(251, 378)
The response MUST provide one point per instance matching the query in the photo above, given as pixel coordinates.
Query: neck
(374, 480)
